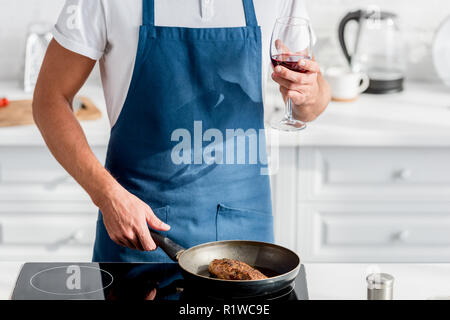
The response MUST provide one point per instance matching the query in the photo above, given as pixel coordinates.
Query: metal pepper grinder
(380, 286)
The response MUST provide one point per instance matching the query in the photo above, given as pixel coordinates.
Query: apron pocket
(241, 224)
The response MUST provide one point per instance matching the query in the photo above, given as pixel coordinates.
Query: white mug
(346, 85)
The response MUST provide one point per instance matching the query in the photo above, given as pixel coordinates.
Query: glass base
(288, 125)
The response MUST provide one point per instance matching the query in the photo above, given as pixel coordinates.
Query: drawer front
(66, 253)
(49, 231)
(371, 232)
(375, 173)
(32, 173)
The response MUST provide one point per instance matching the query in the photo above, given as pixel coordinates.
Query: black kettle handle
(172, 249)
(351, 16)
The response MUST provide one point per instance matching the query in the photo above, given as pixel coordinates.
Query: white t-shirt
(108, 30)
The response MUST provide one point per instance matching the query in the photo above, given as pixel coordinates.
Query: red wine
(289, 61)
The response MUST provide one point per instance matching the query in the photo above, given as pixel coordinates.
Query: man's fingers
(285, 73)
(297, 77)
(146, 240)
(128, 244)
(141, 241)
(137, 242)
(309, 65)
(292, 85)
(138, 245)
(286, 83)
(297, 98)
(155, 223)
(134, 241)
(122, 243)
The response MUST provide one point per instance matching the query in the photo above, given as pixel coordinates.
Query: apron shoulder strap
(148, 13)
(250, 15)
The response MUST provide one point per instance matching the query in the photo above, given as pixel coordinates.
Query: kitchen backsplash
(420, 19)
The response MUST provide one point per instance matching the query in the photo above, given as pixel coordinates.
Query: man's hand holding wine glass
(301, 87)
(305, 92)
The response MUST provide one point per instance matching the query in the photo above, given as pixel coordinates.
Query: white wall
(414, 13)
(17, 15)
(421, 18)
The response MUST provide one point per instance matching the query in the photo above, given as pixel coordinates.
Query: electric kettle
(379, 49)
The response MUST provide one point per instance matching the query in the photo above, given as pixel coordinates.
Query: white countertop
(330, 281)
(417, 117)
(347, 281)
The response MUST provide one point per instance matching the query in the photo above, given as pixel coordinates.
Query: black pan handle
(172, 249)
(351, 16)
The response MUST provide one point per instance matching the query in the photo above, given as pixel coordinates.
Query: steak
(228, 269)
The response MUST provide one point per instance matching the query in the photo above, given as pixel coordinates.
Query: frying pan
(194, 262)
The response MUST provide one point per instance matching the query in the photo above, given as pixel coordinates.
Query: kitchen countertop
(330, 281)
(417, 117)
(97, 131)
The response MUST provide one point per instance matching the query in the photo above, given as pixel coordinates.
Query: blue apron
(187, 81)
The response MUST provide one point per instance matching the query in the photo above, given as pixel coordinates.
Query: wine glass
(291, 42)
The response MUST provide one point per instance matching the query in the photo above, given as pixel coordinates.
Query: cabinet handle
(401, 236)
(78, 236)
(75, 237)
(52, 185)
(402, 175)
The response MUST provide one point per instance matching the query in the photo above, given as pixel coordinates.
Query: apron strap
(148, 13)
(250, 15)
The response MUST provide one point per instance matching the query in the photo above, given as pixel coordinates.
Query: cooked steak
(228, 269)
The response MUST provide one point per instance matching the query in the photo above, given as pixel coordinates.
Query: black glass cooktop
(122, 281)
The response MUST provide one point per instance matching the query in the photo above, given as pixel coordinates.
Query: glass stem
(288, 110)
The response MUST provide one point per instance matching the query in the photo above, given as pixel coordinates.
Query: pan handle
(172, 249)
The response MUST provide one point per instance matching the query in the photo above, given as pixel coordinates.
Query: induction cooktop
(123, 281)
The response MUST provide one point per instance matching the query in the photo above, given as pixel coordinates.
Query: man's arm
(125, 216)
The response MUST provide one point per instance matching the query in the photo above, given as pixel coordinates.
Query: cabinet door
(284, 194)
(44, 214)
(367, 174)
(375, 232)
(29, 237)
(33, 174)
(67, 253)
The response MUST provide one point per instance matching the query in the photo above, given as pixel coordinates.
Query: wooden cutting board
(20, 113)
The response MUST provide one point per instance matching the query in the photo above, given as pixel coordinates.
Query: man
(170, 65)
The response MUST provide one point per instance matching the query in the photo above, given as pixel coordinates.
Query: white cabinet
(47, 230)
(359, 204)
(284, 195)
(383, 174)
(44, 214)
(32, 174)
(372, 232)
(339, 204)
